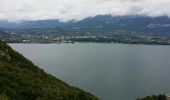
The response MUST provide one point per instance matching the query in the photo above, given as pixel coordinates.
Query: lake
(109, 71)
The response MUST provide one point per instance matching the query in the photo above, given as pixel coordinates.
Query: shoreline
(164, 44)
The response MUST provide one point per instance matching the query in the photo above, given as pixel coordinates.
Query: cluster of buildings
(121, 37)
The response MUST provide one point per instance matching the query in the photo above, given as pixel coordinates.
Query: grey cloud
(14, 10)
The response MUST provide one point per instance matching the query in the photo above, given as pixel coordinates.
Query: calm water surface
(109, 71)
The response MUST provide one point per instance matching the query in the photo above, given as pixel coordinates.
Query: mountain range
(101, 23)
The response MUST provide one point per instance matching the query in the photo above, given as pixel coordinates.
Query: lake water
(109, 71)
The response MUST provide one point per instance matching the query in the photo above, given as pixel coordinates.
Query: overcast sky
(14, 10)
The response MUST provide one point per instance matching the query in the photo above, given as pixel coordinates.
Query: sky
(65, 10)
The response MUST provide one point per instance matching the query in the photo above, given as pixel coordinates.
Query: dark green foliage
(20, 79)
(154, 97)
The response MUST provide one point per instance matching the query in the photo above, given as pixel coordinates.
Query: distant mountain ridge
(31, 24)
(89, 21)
(102, 23)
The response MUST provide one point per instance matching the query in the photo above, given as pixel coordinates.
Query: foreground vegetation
(20, 79)
(154, 97)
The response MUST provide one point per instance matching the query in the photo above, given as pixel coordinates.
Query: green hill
(20, 79)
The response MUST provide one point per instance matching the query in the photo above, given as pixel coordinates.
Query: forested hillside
(20, 79)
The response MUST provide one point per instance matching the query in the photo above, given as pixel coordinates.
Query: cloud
(15, 10)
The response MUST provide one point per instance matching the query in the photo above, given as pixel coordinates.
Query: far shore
(90, 42)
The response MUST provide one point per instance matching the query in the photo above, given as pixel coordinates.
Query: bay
(109, 71)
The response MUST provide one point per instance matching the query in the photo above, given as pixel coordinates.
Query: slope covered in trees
(154, 97)
(20, 79)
